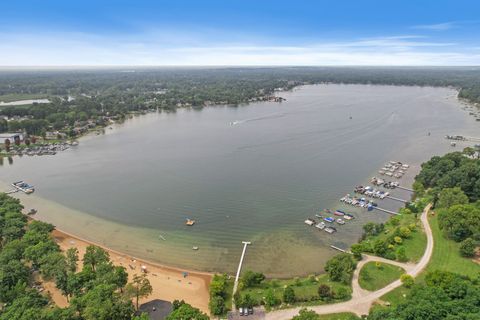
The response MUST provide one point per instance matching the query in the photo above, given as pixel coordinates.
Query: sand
(167, 283)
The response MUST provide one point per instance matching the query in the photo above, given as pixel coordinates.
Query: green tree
(250, 278)
(401, 255)
(139, 287)
(306, 314)
(407, 280)
(186, 311)
(288, 295)
(325, 292)
(357, 250)
(94, 256)
(217, 305)
(271, 299)
(451, 196)
(72, 259)
(467, 248)
(340, 268)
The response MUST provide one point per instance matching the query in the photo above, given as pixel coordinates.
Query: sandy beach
(168, 283)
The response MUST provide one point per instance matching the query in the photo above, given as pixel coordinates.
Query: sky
(239, 32)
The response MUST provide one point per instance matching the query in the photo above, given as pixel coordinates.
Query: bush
(405, 232)
(270, 299)
(342, 293)
(401, 256)
(251, 278)
(325, 292)
(398, 240)
(357, 250)
(407, 280)
(340, 268)
(467, 248)
(289, 295)
(217, 305)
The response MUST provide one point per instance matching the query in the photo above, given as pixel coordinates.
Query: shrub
(398, 240)
(270, 299)
(325, 292)
(467, 248)
(340, 268)
(405, 232)
(217, 305)
(401, 255)
(289, 295)
(342, 293)
(407, 280)
(251, 278)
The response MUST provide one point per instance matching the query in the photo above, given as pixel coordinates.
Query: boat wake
(266, 117)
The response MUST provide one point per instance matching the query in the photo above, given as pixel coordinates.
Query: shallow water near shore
(248, 173)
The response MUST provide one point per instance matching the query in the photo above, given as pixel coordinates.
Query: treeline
(102, 94)
(29, 256)
(444, 295)
(453, 182)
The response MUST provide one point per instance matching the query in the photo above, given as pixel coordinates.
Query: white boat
(321, 225)
(309, 222)
(340, 221)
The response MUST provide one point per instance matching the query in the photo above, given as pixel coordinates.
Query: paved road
(361, 299)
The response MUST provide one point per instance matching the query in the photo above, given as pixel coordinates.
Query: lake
(247, 173)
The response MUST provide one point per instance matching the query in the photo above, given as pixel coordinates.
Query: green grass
(373, 278)
(306, 289)
(445, 257)
(415, 245)
(21, 96)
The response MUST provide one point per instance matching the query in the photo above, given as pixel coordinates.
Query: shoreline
(168, 282)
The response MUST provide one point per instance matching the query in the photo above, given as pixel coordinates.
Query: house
(11, 137)
(52, 135)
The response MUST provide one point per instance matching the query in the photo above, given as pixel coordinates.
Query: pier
(235, 284)
(387, 211)
(403, 188)
(339, 249)
(396, 199)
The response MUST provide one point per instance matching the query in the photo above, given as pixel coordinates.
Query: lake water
(252, 173)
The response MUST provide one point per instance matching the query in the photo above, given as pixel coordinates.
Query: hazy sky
(239, 32)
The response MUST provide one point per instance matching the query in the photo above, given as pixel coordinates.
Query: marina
(396, 168)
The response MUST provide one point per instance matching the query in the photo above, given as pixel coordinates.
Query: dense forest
(96, 290)
(82, 98)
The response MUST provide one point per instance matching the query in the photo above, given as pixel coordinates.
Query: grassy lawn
(445, 257)
(446, 254)
(306, 289)
(373, 278)
(415, 245)
(21, 96)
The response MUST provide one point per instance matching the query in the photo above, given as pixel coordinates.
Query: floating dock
(387, 211)
(403, 188)
(396, 199)
(339, 249)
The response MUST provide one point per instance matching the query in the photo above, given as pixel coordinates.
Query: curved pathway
(362, 299)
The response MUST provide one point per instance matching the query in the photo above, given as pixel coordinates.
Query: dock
(396, 199)
(387, 211)
(339, 249)
(403, 188)
(235, 284)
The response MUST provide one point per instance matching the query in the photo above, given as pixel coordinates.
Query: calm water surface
(243, 173)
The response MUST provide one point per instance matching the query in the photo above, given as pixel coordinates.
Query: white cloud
(62, 49)
(436, 27)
